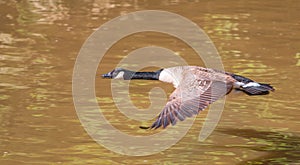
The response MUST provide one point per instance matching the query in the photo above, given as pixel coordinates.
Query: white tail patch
(238, 84)
(251, 84)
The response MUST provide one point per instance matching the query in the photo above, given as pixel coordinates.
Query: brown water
(40, 40)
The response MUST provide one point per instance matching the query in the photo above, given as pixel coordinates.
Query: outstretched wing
(189, 99)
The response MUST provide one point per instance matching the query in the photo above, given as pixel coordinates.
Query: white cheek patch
(120, 76)
(251, 84)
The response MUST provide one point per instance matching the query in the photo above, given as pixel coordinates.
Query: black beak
(107, 75)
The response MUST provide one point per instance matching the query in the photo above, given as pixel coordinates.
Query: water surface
(40, 40)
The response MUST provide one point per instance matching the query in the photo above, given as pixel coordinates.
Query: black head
(117, 73)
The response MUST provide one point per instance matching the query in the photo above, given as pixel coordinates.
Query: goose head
(118, 73)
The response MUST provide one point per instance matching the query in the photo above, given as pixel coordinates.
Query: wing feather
(187, 104)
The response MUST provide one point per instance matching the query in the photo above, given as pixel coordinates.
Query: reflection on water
(226, 26)
(298, 58)
(39, 42)
(283, 147)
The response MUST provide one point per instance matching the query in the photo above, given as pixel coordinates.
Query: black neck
(144, 75)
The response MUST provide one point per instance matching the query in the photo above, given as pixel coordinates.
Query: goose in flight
(195, 88)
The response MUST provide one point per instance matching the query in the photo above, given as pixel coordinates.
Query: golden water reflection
(39, 42)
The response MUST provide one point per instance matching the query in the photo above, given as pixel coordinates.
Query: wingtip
(144, 127)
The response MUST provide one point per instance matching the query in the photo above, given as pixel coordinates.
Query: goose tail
(251, 87)
(257, 89)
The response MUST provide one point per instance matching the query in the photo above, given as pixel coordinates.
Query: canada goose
(196, 88)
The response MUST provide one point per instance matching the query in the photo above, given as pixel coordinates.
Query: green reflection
(280, 148)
